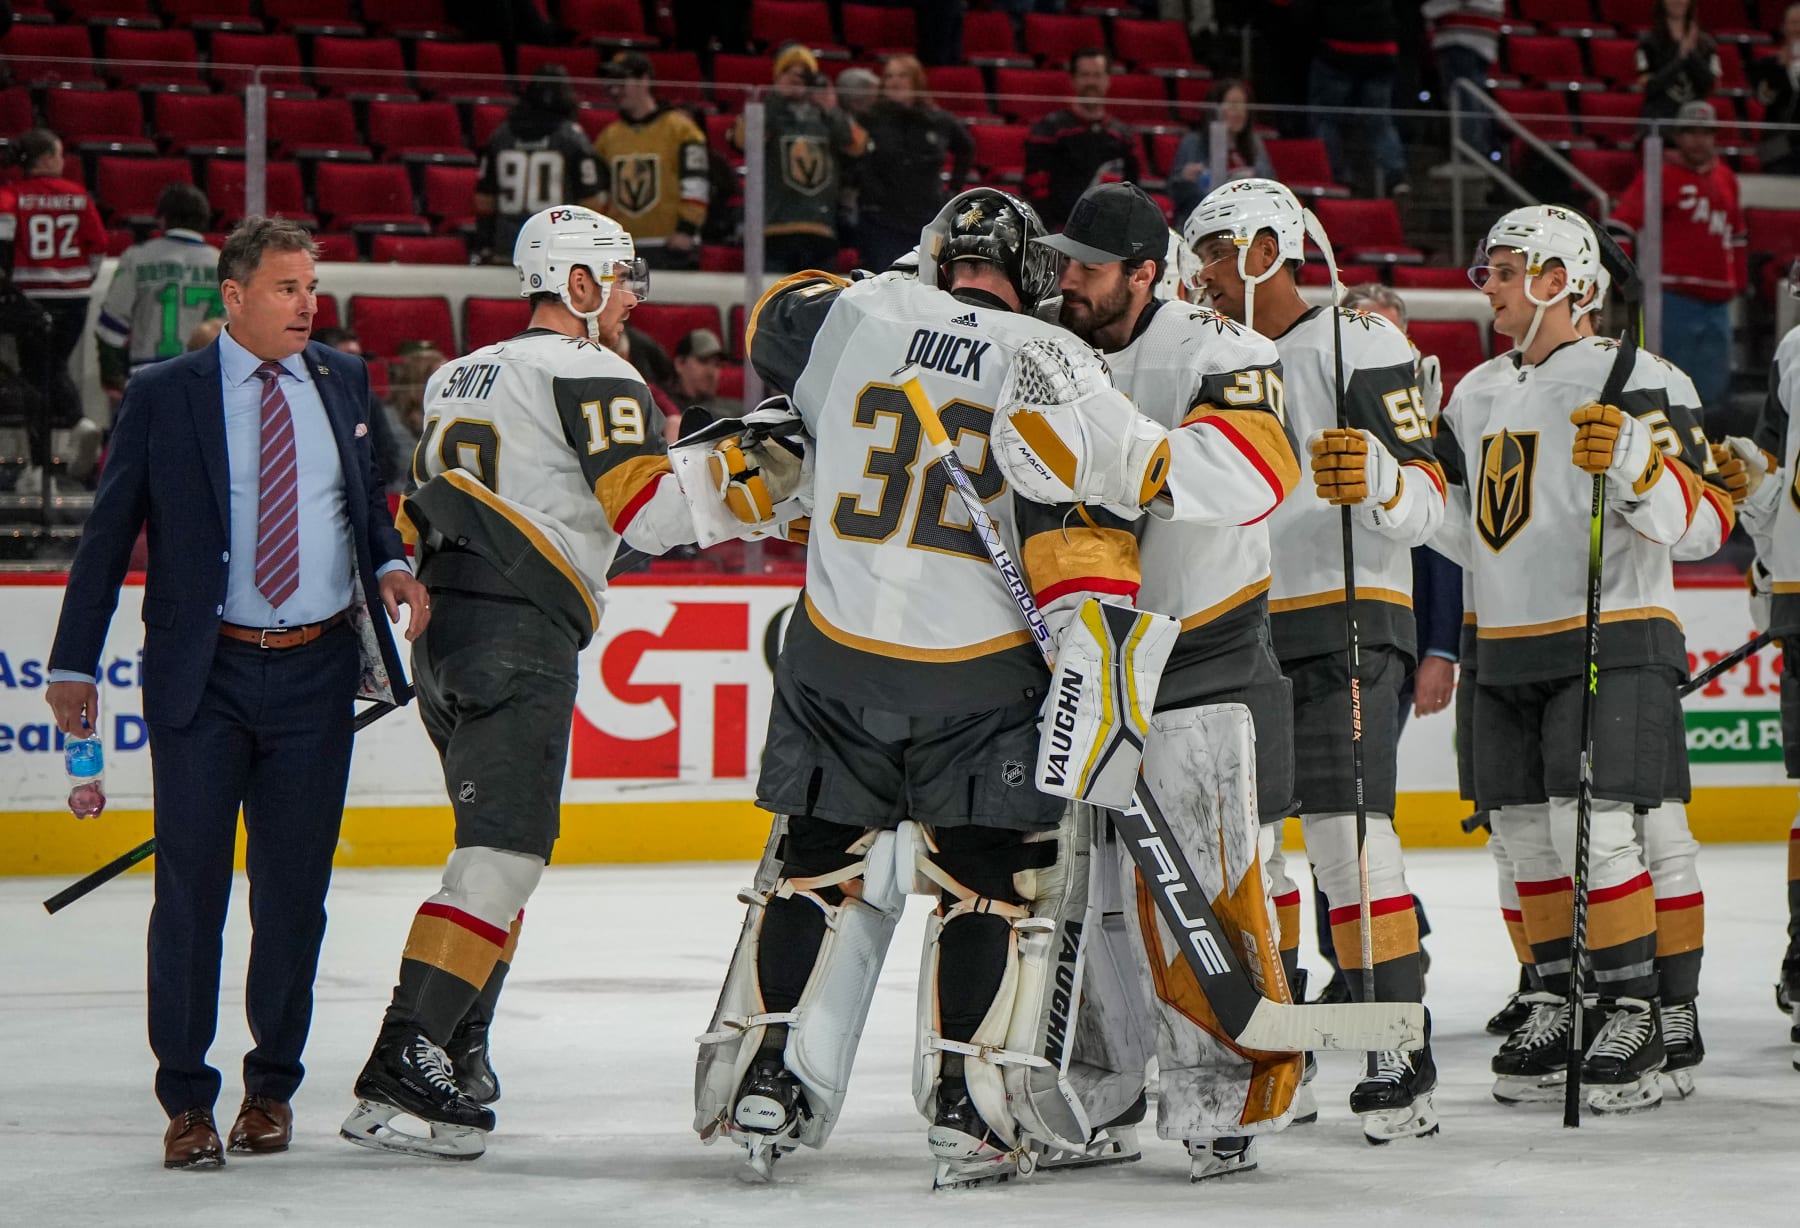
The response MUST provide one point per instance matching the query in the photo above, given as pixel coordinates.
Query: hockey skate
(1395, 1101)
(1533, 1063)
(967, 1151)
(771, 1108)
(1787, 994)
(1220, 1157)
(1511, 1017)
(1620, 1068)
(468, 1053)
(1114, 1143)
(1682, 1045)
(408, 1074)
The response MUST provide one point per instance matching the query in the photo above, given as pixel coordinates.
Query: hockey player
(539, 455)
(1250, 236)
(1501, 441)
(904, 724)
(1216, 389)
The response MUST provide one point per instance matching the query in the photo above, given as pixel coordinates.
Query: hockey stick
(118, 865)
(1352, 636)
(1252, 1021)
(1743, 652)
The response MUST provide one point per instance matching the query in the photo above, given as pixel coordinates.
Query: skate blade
(1681, 1082)
(1306, 1107)
(1117, 1146)
(368, 1126)
(1211, 1167)
(1518, 1089)
(1417, 1120)
(968, 1174)
(1620, 1099)
(759, 1162)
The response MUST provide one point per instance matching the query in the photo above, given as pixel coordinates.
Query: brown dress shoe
(191, 1141)
(263, 1127)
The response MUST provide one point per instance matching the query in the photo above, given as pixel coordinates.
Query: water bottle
(84, 759)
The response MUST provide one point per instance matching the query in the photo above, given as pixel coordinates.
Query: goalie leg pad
(1199, 764)
(1109, 661)
(852, 890)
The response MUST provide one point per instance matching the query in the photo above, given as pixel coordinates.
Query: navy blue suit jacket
(167, 469)
(1437, 602)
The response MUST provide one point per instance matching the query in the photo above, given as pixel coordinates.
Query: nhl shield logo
(1012, 772)
(637, 180)
(805, 164)
(1508, 464)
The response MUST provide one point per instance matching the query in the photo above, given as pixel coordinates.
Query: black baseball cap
(1113, 221)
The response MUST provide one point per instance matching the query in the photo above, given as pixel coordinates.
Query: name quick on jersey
(472, 382)
(960, 356)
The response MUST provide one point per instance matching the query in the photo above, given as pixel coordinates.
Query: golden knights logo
(1503, 498)
(805, 164)
(636, 181)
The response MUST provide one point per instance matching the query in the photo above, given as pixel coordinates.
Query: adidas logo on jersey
(968, 321)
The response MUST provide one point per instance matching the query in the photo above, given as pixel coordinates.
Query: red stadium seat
(416, 249)
(460, 72)
(409, 18)
(1612, 169)
(385, 322)
(1303, 166)
(582, 63)
(808, 22)
(1000, 151)
(731, 381)
(361, 68)
(215, 15)
(484, 119)
(1732, 81)
(126, 188)
(718, 137)
(1728, 21)
(331, 17)
(679, 78)
(716, 259)
(1192, 91)
(362, 198)
(487, 320)
(1029, 94)
(1457, 344)
(118, 241)
(201, 124)
(1313, 274)
(1149, 46)
(668, 323)
(449, 193)
(419, 131)
(235, 55)
(41, 55)
(1553, 62)
(1610, 119)
(734, 337)
(1614, 60)
(1544, 113)
(1054, 37)
(15, 109)
(876, 29)
(1367, 231)
(98, 121)
(1162, 147)
(609, 23)
(284, 192)
(337, 249)
(113, 13)
(1139, 99)
(316, 128)
(1631, 15)
(734, 76)
(595, 120)
(179, 69)
(961, 90)
(1558, 16)
(1418, 277)
(988, 40)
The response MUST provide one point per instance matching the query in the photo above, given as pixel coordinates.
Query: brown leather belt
(280, 637)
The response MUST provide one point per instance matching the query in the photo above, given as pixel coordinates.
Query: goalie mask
(554, 243)
(1542, 233)
(1243, 209)
(995, 226)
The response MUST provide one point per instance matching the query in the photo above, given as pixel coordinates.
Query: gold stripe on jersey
(1722, 504)
(1066, 558)
(1691, 485)
(1639, 614)
(1786, 586)
(481, 494)
(1336, 596)
(619, 486)
(1260, 436)
(790, 282)
(1250, 592)
(902, 652)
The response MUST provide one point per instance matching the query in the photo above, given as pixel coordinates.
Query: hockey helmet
(555, 242)
(1542, 233)
(995, 226)
(1243, 209)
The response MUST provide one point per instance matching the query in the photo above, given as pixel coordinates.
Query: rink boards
(668, 730)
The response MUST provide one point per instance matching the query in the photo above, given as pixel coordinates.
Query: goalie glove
(743, 477)
(1610, 441)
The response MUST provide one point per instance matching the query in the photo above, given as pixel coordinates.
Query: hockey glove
(1352, 467)
(753, 474)
(1611, 441)
(1742, 455)
(1431, 385)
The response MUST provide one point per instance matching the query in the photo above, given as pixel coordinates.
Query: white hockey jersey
(1518, 514)
(903, 609)
(161, 290)
(540, 453)
(1381, 396)
(1204, 547)
(1772, 515)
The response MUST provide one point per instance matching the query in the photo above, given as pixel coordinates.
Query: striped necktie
(278, 495)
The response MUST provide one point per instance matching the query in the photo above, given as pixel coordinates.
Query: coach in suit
(249, 463)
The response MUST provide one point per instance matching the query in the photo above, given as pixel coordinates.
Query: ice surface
(617, 971)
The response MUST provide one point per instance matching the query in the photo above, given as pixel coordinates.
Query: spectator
(1677, 61)
(1070, 150)
(698, 357)
(903, 189)
(1703, 255)
(1354, 67)
(1191, 178)
(1775, 85)
(806, 139)
(51, 244)
(205, 333)
(392, 453)
(538, 158)
(857, 90)
(160, 290)
(1465, 39)
(405, 405)
(638, 151)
